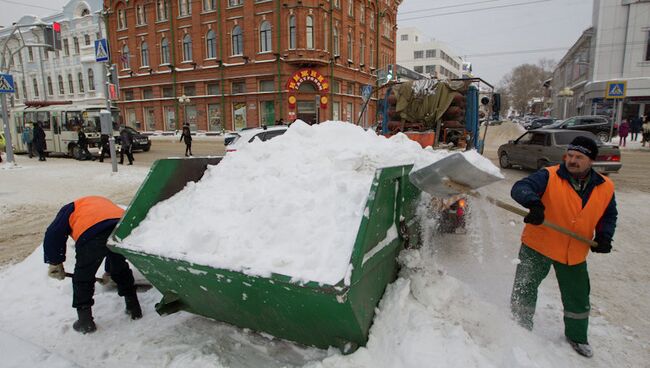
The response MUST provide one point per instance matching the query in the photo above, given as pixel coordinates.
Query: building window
(362, 50)
(235, 2)
(125, 57)
(168, 92)
(61, 89)
(140, 15)
(431, 53)
(214, 117)
(372, 54)
(647, 48)
(238, 87)
(70, 84)
(121, 19)
(350, 47)
(209, 5)
(310, 31)
(237, 41)
(337, 4)
(184, 8)
(66, 47)
(30, 54)
(50, 90)
(91, 80)
(336, 86)
(336, 111)
(431, 69)
(213, 89)
(404, 37)
(189, 89)
(350, 111)
(292, 32)
(372, 20)
(265, 37)
(337, 49)
(267, 86)
(161, 10)
(147, 93)
(187, 48)
(418, 54)
(362, 13)
(80, 80)
(326, 38)
(211, 45)
(128, 95)
(239, 115)
(87, 40)
(350, 8)
(144, 54)
(164, 51)
(35, 83)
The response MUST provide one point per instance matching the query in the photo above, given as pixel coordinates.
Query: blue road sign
(616, 89)
(366, 91)
(101, 50)
(7, 83)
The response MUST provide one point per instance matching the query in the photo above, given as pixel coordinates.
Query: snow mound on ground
(291, 205)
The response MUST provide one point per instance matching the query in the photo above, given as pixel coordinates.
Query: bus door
(18, 128)
(43, 118)
(58, 145)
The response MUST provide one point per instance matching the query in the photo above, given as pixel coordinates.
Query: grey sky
(542, 24)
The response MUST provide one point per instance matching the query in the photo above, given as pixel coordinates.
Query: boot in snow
(85, 324)
(582, 349)
(133, 306)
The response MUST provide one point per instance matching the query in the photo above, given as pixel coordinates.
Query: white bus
(59, 123)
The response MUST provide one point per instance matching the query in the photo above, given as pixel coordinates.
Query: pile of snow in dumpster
(291, 205)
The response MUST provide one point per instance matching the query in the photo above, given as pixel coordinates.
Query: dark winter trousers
(89, 257)
(188, 148)
(574, 288)
(129, 154)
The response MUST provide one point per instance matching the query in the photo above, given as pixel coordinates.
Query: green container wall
(310, 313)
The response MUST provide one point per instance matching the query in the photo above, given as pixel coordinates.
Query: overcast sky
(508, 32)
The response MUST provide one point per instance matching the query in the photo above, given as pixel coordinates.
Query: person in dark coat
(126, 141)
(104, 142)
(39, 141)
(635, 127)
(89, 221)
(186, 135)
(82, 142)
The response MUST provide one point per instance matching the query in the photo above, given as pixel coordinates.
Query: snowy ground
(449, 307)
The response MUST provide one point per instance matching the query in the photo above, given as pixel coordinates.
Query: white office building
(427, 56)
(67, 75)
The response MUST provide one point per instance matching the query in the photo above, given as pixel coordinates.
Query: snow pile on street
(291, 205)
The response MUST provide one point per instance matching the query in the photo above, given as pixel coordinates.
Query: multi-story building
(67, 75)
(230, 64)
(616, 49)
(424, 55)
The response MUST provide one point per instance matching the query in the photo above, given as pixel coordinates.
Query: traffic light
(53, 36)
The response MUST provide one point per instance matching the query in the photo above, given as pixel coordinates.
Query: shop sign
(308, 75)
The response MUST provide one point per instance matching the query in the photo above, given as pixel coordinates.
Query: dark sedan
(542, 122)
(601, 126)
(545, 147)
(139, 140)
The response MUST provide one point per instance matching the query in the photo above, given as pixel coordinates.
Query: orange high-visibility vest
(92, 210)
(563, 206)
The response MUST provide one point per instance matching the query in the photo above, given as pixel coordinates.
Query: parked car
(243, 137)
(596, 124)
(139, 141)
(541, 122)
(545, 147)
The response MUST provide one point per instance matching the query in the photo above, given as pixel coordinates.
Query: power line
(534, 51)
(474, 10)
(448, 6)
(28, 5)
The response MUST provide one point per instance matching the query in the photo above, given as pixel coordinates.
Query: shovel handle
(97, 279)
(518, 211)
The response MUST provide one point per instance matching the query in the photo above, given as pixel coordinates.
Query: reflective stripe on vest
(564, 207)
(89, 211)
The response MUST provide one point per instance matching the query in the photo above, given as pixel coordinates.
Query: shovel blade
(455, 168)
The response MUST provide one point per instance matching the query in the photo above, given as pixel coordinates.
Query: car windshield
(564, 138)
(555, 124)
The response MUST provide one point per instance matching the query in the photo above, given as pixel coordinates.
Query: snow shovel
(455, 175)
(139, 287)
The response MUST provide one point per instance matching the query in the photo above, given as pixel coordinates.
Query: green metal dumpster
(309, 313)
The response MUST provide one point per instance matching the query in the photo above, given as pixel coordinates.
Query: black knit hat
(584, 145)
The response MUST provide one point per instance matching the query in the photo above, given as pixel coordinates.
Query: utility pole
(108, 71)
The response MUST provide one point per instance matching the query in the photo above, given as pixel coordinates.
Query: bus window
(73, 119)
(43, 117)
(29, 117)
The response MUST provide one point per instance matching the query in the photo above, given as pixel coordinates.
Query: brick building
(244, 63)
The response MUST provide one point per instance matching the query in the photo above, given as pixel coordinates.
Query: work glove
(604, 245)
(536, 214)
(56, 271)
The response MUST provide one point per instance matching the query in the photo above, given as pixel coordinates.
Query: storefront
(308, 97)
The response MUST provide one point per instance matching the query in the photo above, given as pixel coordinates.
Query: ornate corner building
(231, 64)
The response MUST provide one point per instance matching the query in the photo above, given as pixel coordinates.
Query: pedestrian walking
(126, 141)
(39, 141)
(645, 131)
(623, 131)
(104, 147)
(635, 127)
(186, 135)
(28, 138)
(575, 197)
(82, 143)
(89, 221)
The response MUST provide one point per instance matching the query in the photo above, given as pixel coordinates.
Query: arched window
(161, 9)
(187, 48)
(121, 18)
(164, 51)
(237, 41)
(362, 50)
(85, 12)
(125, 57)
(211, 45)
(50, 90)
(350, 47)
(372, 54)
(80, 77)
(292, 32)
(309, 24)
(35, 83)
(91, 80)
(337, 49)
(144, 54)
(184, 8)
(87, 39)
(61, 89)
(265, 37)
(326, 36)
(70, 84)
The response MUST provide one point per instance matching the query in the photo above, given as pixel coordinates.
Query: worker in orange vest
(89, 221)
(577, 198)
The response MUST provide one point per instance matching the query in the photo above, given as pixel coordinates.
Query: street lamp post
(183, 101)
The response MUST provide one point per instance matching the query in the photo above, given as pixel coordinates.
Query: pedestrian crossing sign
(617, 89)
(6, 83)
(101, 50)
